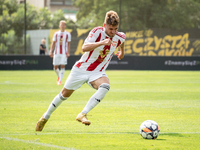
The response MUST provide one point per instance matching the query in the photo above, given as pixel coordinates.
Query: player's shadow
(169, 134)
(172, 134)
(137, 133)
(160, 139)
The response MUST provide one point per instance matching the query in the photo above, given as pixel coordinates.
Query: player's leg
(63, 62)
(56, 64)
(56, 69)
(58, 99)
(73, 82)
(102, 85)
(62, 71)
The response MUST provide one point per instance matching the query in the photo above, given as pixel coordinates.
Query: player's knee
(62, 97)
(105, 86)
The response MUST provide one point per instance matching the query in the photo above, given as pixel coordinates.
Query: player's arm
(68, 52)
(46, 50)
(52, 48)
(41, 48)
(120, 54)
(89, 46)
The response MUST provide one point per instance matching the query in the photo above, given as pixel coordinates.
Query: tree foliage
(141, 14)
(134, 15)
(12, 24)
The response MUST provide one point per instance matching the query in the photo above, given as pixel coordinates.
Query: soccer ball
(149, 129)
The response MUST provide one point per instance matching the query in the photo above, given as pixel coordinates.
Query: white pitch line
(37, 143)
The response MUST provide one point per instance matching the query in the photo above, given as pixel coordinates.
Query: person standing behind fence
(61, 47)
(43, 48)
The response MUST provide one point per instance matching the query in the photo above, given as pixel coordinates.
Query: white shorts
(59, 60)
(78, 77)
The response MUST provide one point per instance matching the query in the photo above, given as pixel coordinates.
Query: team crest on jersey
(114, 43)
(104, 53)
(61, 39)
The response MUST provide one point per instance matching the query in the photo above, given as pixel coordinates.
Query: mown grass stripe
(164, 133)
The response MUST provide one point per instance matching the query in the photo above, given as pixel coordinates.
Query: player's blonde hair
(111, 18)
(62, 21)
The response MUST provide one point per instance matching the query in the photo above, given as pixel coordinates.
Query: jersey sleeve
(93, 35)
(69, 37)
(54, 37)
(122, 36)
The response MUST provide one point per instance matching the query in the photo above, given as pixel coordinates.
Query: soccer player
(61, 47)
(98, 50)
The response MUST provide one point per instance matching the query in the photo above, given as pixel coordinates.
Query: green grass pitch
(171, 98)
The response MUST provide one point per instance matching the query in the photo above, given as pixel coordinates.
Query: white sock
(57, 72)
(54, 104)
(62, 71)
(96, 97)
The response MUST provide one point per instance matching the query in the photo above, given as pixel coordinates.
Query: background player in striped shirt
(98, 50)
(61, 48)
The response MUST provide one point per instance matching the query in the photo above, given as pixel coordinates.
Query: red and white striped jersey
(61, 39)
(99, 58)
